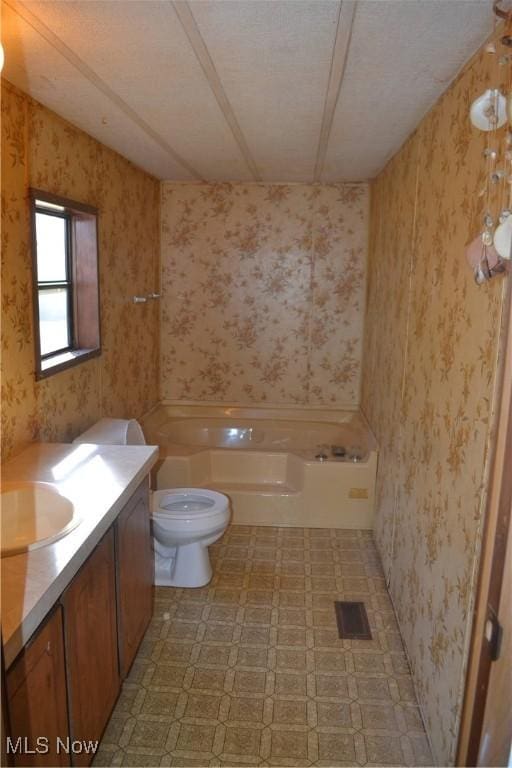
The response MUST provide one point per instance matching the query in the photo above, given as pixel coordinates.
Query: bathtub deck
(250, 670)
(283, 489)
(259, 488)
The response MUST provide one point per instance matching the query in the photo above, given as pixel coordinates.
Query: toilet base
(187, 565)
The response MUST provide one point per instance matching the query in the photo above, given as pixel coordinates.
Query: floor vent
(352, 621)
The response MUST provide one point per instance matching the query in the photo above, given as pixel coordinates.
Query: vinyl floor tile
(250, 670)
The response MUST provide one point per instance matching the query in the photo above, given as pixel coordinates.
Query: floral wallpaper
(42, 150)
(263, 293)
(431, 353)
(263, 302)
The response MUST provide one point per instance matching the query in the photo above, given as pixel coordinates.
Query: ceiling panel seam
(338, 63)
(202, 53)
(54, 40)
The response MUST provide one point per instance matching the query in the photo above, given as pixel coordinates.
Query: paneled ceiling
(247, 90)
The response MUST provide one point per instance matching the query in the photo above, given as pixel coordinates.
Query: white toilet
(185, 521)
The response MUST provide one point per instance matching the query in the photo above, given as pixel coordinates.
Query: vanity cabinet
(135, 575)
(65, 682)
(90, 631)
(37, 700)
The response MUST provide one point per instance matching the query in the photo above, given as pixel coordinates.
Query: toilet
(184, 521)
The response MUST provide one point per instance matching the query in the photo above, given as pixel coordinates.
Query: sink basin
(33, 515)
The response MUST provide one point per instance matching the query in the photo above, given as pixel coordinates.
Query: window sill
(64, 361)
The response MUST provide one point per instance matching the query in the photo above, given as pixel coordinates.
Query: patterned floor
(250, 670)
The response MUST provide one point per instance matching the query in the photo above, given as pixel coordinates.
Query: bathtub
(265, 460)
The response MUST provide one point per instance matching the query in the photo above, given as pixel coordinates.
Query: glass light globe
(503, 238)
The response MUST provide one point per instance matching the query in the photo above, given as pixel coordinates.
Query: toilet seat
(187, 503)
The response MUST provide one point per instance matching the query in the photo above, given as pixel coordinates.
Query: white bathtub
(264, 460)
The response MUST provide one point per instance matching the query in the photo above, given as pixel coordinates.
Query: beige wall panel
(263, 293)
(440, 336)
(42, 150)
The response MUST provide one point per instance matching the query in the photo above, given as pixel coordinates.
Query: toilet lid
(183, 504)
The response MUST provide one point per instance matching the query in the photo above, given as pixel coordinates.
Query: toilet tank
(113, 432)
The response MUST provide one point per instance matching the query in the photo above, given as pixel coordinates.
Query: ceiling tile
(273, 59)
(37, 68)
(125, 72)
(140, 49)
(402, 56)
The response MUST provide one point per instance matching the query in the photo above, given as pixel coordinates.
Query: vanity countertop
(99, 480)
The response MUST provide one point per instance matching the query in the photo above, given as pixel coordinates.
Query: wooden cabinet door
(36, 695)
(90, 632)
(135, 574)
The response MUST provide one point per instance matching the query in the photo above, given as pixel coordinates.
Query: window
(65, 279)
